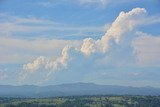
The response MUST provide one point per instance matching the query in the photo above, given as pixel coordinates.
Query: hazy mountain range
(73, 89)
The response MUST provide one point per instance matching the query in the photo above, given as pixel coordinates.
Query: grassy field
(83, 101)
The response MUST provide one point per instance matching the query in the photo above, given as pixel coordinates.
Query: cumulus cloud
(126, 22)
(54, 64)
(88, 46)
(35, 65)
(50, 64)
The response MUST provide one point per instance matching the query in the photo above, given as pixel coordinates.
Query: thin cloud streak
(11, 25)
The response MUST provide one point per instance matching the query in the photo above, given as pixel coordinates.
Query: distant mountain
(73, 89)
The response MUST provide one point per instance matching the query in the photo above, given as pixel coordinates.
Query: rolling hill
(73, 89)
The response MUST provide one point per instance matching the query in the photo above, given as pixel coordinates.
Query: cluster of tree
(24, 104)
(84, 101)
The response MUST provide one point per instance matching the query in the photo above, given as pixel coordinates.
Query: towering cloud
(124, 23)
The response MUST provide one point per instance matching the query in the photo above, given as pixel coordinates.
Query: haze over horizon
(48, 42)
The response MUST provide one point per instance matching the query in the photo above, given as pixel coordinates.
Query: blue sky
(46, 42)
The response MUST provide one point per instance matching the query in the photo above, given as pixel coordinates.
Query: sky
(49, 42)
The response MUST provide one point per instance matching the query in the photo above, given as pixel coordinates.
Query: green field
(83, 101)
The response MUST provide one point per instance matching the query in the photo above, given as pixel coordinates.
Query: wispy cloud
(14, 26)
(45, 4)
(100, 2)
(97, 3)
(147, 48)
(22, 50)
(151, 20)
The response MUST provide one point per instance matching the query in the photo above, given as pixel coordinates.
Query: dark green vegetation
(83, 101)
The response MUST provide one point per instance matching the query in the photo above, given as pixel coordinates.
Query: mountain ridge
(74, 89)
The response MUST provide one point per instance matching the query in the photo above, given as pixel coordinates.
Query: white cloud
(88, 46)
(124, 23)
(35, 65)
(112, 45)
(54, 64)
